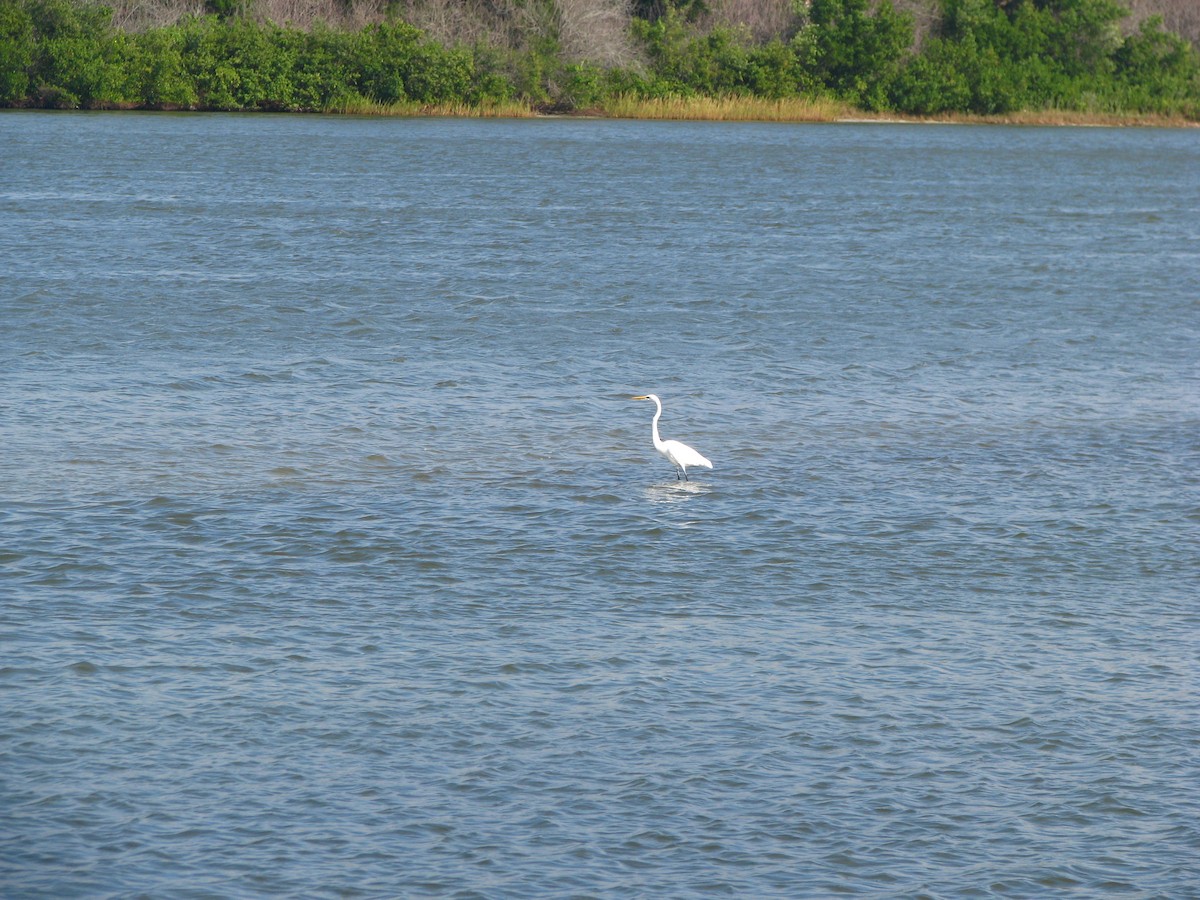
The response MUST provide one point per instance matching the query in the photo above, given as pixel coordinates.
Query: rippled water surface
(335, 560)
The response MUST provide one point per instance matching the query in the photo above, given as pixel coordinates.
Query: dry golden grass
(726, 109)
(752, 109)
(363, 107)
(1066, 117)
(1047, 117)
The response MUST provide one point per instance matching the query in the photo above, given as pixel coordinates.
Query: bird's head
(652, 397)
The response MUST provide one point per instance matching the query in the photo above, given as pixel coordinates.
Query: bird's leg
(685, 478)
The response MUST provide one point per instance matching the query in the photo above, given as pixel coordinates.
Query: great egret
(678, 454)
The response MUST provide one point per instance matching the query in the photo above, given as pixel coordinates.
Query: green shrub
(323, 70)
(435, 75)
(721, 62)
(1158, 72)
(213, 78)
(1018, 55)
(264, 62)
(74, 61)
(383, 60)
(774, 71)
(857, 52)
(940, 80)
(983, 56)
(665, 41)
(155, 73)
(18, 45)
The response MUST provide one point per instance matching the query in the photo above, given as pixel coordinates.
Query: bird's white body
(678, 454)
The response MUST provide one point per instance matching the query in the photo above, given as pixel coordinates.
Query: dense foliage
(987, 58)
(55, 53)
(983, 56)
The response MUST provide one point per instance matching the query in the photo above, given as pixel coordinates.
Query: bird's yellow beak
(639, 398)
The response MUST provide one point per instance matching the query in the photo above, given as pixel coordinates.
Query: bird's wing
(684, 455)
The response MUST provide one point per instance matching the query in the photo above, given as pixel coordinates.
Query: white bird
(680, 455)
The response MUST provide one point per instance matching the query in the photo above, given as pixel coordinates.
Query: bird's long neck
(654, 425)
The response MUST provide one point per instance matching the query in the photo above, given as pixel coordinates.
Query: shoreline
(754, 109)
(700, 109)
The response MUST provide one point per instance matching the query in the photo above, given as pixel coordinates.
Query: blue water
(336, 562)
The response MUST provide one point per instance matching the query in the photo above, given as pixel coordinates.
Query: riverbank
(712, 109)
(66, 54)
(753, 109)
(824, 110)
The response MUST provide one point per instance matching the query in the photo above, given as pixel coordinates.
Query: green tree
(939, 80)
(74, 61)
(773, 70)
(17, 47)
(383, 54)
(989, 56)
(213, 77)
(1081, 35)
(264, 62)
(666, 41)
(857, 53)
(323, 75)
(1158, 71)
(155, 73)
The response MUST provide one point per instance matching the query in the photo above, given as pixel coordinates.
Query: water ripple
(335, 561)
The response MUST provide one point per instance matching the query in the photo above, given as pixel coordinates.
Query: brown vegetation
(925, 14)
(746, 109)
(761, 20)
(1179, 16)
(727, 109)
(595, 30)
(142, 15)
